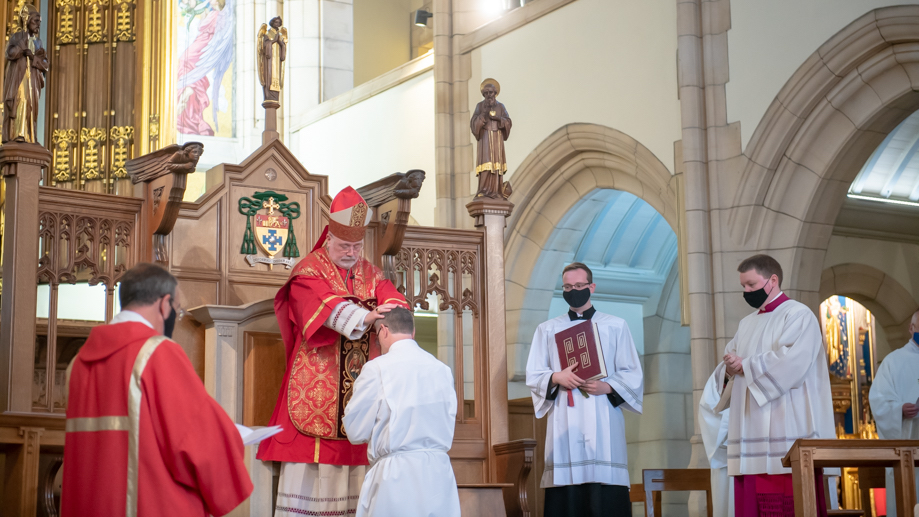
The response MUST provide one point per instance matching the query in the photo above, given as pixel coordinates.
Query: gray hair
(144, 284)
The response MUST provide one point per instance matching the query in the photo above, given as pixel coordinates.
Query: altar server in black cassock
(586, 470)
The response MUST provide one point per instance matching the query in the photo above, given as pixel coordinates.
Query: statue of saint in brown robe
(491, 125)
(27, 64)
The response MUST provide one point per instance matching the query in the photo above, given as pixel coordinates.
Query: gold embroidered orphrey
(322, 378)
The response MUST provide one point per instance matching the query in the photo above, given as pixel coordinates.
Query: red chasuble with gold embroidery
(321, 363)
(143, 436)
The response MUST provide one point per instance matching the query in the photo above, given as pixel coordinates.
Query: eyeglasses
(354, 248)
(578, 286)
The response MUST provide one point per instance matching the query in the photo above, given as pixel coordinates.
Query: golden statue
(270, 55)
(834, 345)
(27, 63)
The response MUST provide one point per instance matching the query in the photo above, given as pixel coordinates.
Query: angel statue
(270, 55)
(27, 64)
(175, 158)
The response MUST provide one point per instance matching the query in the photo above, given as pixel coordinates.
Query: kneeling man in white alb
(404, 404)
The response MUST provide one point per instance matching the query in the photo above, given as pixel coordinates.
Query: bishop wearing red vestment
(143, 437)
(325, 313)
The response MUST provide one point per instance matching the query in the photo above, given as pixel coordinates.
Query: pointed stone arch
(572, 162)
(891, 304)
(816, 135)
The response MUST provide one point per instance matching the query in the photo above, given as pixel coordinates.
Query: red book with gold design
(580, 345)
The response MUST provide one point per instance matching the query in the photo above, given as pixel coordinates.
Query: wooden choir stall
(60, 243)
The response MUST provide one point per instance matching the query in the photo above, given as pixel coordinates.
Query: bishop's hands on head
(325, 315)
(404, 405)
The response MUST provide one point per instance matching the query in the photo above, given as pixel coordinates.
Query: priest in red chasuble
(326, 313)
(143, 436)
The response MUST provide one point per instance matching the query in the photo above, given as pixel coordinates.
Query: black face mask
(169, 324)
(577, 297)
(757, 298)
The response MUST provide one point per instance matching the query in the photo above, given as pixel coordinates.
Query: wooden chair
(637, 495)
(676, 480)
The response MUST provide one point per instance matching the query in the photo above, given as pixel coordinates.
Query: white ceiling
(892, 172)
(629, 246)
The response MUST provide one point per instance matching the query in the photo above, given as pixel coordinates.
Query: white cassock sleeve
(886, 406)
(348, 320)
(624, 367)
(363, 409)
(539, 371)
(772, 374)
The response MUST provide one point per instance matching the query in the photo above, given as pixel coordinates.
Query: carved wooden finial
(172, 159)
(164, 173)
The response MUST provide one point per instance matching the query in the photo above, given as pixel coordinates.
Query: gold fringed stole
(321, 385)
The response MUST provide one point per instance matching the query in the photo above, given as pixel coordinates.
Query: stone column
(21, 165)
(454, 146)
(706, 149)
(336, 58)
(492, 214)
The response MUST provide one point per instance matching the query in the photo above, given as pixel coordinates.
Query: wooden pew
(513, 463)
(678, 480)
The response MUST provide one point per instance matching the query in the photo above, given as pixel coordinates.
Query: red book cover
(580, 345)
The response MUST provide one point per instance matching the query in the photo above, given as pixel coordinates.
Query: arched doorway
(595, 195)
(890, 303)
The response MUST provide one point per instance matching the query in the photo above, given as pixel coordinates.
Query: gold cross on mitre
(270, 205)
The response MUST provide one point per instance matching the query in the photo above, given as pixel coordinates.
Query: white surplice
(585, 443)
(784, 391)
(714, 431)
(404, 404)
(896, 383)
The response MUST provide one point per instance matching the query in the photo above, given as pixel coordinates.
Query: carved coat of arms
(269, 228)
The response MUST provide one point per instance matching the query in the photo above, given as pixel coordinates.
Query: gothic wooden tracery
(79, 243)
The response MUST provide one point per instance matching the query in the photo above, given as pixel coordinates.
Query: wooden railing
(448, 265)
(50, 237)
(83, 238)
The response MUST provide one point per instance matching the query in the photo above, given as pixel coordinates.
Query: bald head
(914, 323)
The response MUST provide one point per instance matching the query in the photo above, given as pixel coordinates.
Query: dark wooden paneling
(263, 372)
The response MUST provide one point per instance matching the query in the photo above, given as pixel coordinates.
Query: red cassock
(143, 436)
(321, 363)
